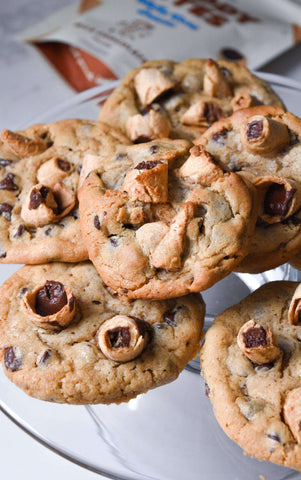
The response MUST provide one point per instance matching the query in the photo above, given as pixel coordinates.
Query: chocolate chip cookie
(65, 337)
(39, 173)
(181, 100)
(262, 144)
(160, 221)
(251, 364)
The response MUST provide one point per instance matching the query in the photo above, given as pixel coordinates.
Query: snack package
(101, 40)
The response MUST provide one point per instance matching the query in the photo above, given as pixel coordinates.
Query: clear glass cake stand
(166, 434)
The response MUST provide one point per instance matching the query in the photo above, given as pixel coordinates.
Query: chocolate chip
(274, 437)
(5, 210)
(96, 302)
(97, 223)
(277, 200)
(64, 165)
(212, 112)
(2, 254)
(120, 155)
(263, 366)
(4, 162)
(45, 357)
(119, 337)
(232, 54)
(48, 231)
(254, 129)
(170, 316)
(255, 337)
(130, 226)
(200, 211)
(153, 149)
(50, 299)
(147, 165)
(219, 137)
(113, 240)
(207, 390)
(142, 139)
(23, 291)
(8, 183)
(20, 230)
(12, 359)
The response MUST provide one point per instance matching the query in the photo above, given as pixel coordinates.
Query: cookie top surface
(39, 173)
(251, 363)
(262, 144)
(162, 98)
(161, 222)
(55, 318)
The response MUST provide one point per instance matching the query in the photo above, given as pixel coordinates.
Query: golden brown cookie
(251, 363)
(160, 221)
(163, 98)
(65, 337)
(39, 173)
(262, 144)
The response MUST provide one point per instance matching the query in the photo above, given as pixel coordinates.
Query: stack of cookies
(192, 171)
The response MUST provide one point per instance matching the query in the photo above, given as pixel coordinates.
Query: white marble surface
(20, 455)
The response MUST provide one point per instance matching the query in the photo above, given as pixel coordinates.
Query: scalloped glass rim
(165, 434)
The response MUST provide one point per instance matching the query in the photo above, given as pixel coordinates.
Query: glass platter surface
(169, 433)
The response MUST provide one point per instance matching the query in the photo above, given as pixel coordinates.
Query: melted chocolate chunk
(5, 210)
(4, 162)
(12, 359)
(170, 316)
(97, 224)
(147, 165)
(63, 165)
(212, 112)
(254, 129)
(37, 197)
(277, 200)
(219, 137)
(153, 149)
(142, 325)
(231, 54)
(8, 183)
(50, 299)
(255, 337)
(119, 337)
(23, 291)
(45, 357)
(20, 230)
